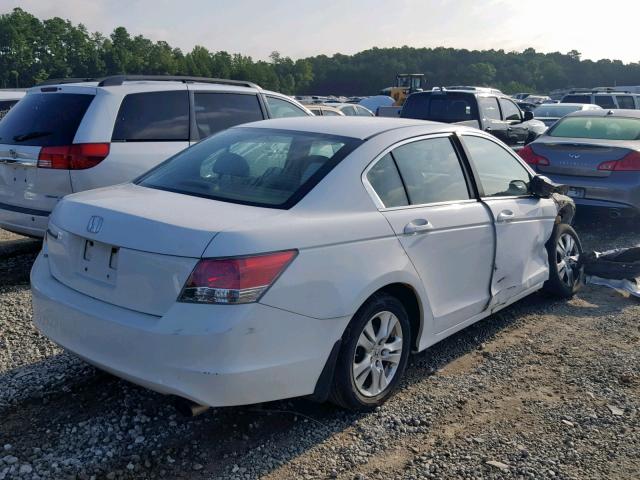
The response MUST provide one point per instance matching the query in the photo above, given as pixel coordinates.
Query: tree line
(34, 50)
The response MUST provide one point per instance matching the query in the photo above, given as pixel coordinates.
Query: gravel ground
(543, 390)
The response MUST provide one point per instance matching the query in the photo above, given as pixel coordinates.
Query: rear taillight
(73, 157)
(532, 158)
(629, 163)
(235, 280)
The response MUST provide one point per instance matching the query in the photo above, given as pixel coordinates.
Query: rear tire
(564, 250)
(374, 354)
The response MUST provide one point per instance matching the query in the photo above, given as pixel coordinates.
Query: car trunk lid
(134, 246)
(577, 158)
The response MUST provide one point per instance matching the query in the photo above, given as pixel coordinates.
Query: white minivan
(68, 136)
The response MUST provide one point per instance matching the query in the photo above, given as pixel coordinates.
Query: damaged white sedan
(295, 257)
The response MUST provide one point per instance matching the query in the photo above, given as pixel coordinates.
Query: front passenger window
(509, 110)
(281, 108)
(501, 174)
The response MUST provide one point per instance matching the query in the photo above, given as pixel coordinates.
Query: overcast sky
(304, 28)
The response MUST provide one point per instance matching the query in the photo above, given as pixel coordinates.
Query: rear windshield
(576, 99)
(253, 166)
(555, 110)
(448, 108)
(605, 128)
(44, 119)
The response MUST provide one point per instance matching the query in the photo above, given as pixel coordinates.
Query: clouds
(303, 28)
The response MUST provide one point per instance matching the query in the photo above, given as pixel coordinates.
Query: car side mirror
(543, 187)
(528, 116)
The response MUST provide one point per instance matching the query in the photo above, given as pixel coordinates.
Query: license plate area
(16, 178)
(99, 261)
(576, 192)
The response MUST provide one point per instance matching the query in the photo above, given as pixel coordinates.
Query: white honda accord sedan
(295, 257)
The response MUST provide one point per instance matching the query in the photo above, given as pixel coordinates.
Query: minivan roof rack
(62, 81)
(116, 80)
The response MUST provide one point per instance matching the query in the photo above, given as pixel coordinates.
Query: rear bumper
(216, 355)
(621, 192)
(23, 221)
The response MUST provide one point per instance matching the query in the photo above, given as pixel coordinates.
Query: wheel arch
(411, 300)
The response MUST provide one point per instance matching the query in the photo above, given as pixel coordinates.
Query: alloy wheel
(567, 253)
(378, 354)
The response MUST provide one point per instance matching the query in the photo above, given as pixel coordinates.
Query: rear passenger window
(625, 101)
(281, 108)
(509, 110)
(153, 116)
(501, 175)
(489, 108)
(386, 182)
(605, 101)
(218, 111)
(431, 171)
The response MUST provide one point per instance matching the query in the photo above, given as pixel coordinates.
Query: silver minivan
(70, 136)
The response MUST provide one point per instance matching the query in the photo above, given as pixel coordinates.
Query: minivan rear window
(153, 117)
(44, 119)
(252, 166)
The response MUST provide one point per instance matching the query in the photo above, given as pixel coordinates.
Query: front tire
(564, 250)
(374, 354)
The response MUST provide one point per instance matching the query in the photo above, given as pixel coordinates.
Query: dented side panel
(522, 227)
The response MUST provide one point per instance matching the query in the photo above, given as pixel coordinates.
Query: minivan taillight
(73, 157)
(532, 158)
(235, 280)
(629, 163)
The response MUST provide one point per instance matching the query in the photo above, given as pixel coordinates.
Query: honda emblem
(95, 224)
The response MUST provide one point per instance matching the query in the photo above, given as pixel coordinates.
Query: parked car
(324, 110)
(8, 98)
(303, 256)
(596, 153)
(604, 99)
(521, 96)
(351, 110)
(538, 99)
(526, 106)
(492, 112)
(69, 137)
(552, 112)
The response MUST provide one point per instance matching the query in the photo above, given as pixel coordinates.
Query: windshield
(555, 110)
(253, 166)
(605, 128)
(44, 119)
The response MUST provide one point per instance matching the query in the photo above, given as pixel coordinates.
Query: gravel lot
(544, 390)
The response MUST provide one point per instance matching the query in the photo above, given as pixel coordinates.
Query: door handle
(416, 226)
(505, 216)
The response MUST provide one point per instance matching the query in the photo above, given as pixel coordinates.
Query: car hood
(151, 220)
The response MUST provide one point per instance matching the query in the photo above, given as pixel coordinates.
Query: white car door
(523, 223)
(425, 195)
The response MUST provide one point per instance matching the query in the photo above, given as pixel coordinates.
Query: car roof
(354, 127)
(570, 104)
(607, 112)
